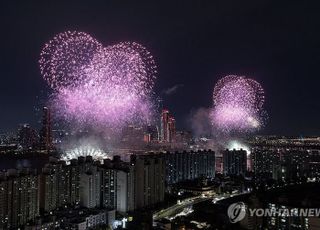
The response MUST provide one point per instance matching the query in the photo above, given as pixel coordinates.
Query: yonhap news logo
(236, 212)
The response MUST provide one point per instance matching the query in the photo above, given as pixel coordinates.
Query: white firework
(237, 145)
(85, 150)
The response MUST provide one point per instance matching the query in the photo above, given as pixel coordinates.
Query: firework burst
(64, 58)
(238, 105)
(107, 106)
(127, 64)
(109, 86)
(83, 151)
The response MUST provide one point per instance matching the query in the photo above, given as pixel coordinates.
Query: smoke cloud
(200, 122)
(172, 89)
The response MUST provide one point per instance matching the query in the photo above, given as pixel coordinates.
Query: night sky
(194, 44)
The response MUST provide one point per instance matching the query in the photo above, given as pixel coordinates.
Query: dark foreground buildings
(234, 162)
(93, 191)
(182, 166)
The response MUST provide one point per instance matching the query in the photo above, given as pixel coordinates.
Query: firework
(125, 64)
(237, 145)
(83, 151)
(109, 86)
(107, 106)
(64, 59)
(237, 104)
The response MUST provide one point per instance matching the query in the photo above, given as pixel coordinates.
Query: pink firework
(237, 104)
(108, 106)
(99, 86)
(64, 58)
(126, 64)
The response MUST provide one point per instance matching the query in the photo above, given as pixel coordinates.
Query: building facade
(149, 179)
(234, 162)
(167, 127)
(182, 166)
(19, 202)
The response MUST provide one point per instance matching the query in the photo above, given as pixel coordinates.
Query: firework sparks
(126, 64)
(64, 58)
(108, 106)
(237, 145)
(238, 104)
(109, 86)
(83, 151)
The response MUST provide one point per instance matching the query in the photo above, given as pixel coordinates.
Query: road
(174, 209)
(179, 207)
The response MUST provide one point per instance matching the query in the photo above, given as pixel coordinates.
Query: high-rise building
(90, 184)
(314, 164)
(46, 130)
(234, 162)
(168, 127)
(125, 189)
(48, 190)
(108, 186)
(74, 182)
(118, 185)
(19, 201)
(59, 185)
(164, 125)
(295, 164)
(149, 179)
(171, 129)
(266, 163)
(3, 201)
(182, 166)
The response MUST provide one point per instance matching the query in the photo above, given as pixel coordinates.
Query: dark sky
(194, 44)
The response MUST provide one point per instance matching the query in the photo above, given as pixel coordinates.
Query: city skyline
(191, 115)
(276, 47)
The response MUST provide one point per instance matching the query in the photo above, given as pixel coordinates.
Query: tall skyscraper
(46, 130)
(164, 125)
(168, 127)
(172, 129)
